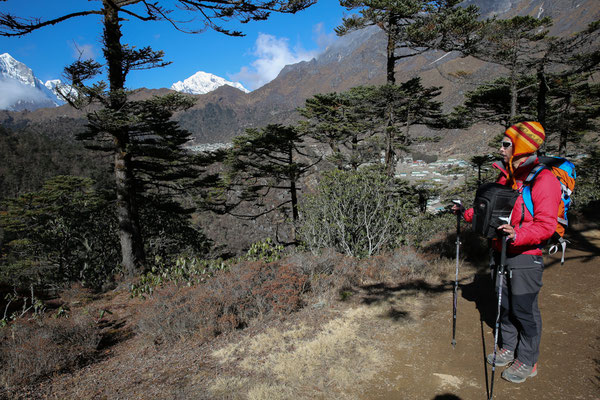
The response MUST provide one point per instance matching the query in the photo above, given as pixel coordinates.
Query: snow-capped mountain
(60, 89)
(203, 82)
(21, 89)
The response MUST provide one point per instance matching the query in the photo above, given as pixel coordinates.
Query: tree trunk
(389, 150)
(293, 193)
(513, 97)
(564, 130)
(391, 50)
(541, 101)
(542, 94)
(293, 190)
(408, 124)
(132, 249)
(355, 155)
(392, 36)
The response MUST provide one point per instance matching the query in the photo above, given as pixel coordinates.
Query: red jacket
(532, 232)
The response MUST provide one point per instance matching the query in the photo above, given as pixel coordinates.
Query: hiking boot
(518, 372)
(503, 357)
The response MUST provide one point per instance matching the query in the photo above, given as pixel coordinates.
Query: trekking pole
(455, 298)
(497, 326)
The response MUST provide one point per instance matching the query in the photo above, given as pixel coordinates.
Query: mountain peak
(203, 82)
(21, 89)
(13, 69)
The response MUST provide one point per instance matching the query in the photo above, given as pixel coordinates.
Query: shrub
(193, 270)
(328, 272)
(265, 251)
(358, 213)
(424, 227)
(33, 349)
(228, 301)
(188, 271)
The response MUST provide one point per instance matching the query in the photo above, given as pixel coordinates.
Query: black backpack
(492, 207)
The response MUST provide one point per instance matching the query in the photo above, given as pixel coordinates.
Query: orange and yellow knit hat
(526, 137)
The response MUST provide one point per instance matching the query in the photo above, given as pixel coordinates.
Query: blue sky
(252, 60)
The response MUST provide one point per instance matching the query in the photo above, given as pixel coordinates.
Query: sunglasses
(506, 145)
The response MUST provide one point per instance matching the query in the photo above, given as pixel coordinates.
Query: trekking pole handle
(458, 215)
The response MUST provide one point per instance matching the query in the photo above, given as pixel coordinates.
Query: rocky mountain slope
(356, 59)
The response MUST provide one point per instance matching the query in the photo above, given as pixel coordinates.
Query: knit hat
(526, 137)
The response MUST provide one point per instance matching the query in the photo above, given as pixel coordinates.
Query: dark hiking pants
(520, 317)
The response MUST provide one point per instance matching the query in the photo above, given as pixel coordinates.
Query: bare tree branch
(17, 26)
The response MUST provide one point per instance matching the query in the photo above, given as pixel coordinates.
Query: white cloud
(13, 91)
(322, 39)
(83, 51)
(272, 55)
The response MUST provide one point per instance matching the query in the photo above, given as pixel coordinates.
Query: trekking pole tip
(453, 343)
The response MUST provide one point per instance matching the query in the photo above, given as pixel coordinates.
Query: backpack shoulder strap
(527, 187)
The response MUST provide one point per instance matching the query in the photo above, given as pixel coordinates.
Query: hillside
(386, 339)
(356, 59)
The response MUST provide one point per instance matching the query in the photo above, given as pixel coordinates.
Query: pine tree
(388, 111)
(413, 27)
(59, 234)
(342, 121)
(565, 101)
(517, 44)
(571, 101)
(120, 60)
(573, 110)
(396, 108)
(478, 162)
(491, 102)
(270, 159)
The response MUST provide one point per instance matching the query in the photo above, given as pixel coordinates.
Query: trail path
(426, 366)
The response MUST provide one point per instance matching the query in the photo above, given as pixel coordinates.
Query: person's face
(506, 149)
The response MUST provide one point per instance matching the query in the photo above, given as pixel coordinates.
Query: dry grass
(298, 361)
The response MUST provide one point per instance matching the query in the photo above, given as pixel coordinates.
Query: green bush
(358, 213)
(189, 271)
(265, 251)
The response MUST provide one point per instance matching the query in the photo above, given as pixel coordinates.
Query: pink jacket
(532, 232)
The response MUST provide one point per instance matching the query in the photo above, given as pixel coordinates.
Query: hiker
(521, 323)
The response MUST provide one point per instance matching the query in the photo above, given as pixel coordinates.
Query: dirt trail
(426, 366)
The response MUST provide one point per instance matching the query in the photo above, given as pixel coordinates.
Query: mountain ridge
(355, 59)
